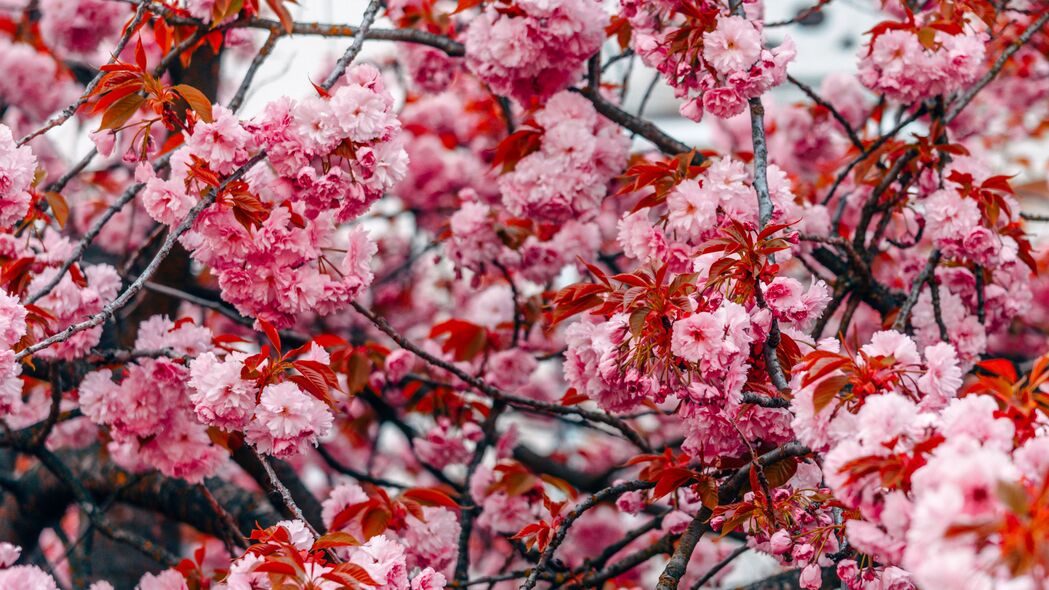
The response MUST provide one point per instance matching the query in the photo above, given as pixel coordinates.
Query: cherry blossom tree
(452, 315)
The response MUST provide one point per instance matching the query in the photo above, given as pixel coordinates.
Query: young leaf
(196, 100)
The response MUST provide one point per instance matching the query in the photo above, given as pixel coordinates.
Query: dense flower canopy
(456, 314)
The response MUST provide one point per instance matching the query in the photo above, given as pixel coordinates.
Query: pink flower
(166, 201)
(433, 540)
(692, 209)
(905, 70)
(891, 343)
(17, 167)
(287, 420)
(30, 577)
(943, 376)
(12, 320)
(223, 143)
(398, 364)
(361, 113)
(428, 579)
(811, 577)
(384, 561)
(973, 416)
(724, 102)
(220, 397)
(510, 369)
(9, 554)
(80, 30)
(104, 141)
(298, 533)
(949, 216)
(780, 542)
(474, 242)
(696, 336)
(733, 46)
(714, 340)
(884, 418)
(568, 176)
(342, 497)
(639, 238)
(537, 51)
(165, 580)
(441, 446)
(34, 84)
(202, 9)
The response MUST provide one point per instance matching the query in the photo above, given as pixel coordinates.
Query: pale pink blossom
(287, 421)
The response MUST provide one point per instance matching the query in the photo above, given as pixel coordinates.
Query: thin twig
(720, 566)
(925, 276)
(604, 495)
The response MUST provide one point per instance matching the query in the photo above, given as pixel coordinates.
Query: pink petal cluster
(535, 49)
(900, 67)
(17, 168)
(70, 303)
(568, 176)
(220, 397)
(33, 82)
(297, 260)
(448, 139)
(593, 365)
(788, 302)
(430, 69)
(81, 30)
(147, 411)
(445, 444)
(287, 420)
(729, 67)
(27, 577)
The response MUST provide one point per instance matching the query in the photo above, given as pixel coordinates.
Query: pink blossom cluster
(697, 208)
(280, 419)
(81, 29)
(147, 413)
(447, 138)
(17, 169)
(12, 329)
(729, 67)
(72, 300)
(428, 540)
(331, 158)
(386, 560)
(568, 175)
(897, 64)
(717, 344)
(548, 199)
(531, 49)
(965, 451)
(960, 229)
(33, 82)
(476, 245)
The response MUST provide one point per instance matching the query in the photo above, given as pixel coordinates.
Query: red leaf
(671, 479)
(196, 100)
(271, 334)
(465, 339)
(335, 539)
(573, 397)
(374, 522)
(515, 147)
(1001, 368)
(430, 497)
